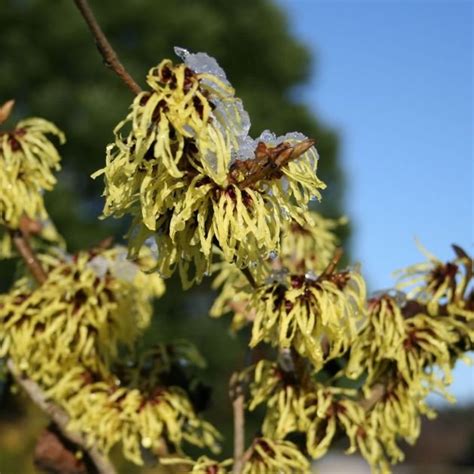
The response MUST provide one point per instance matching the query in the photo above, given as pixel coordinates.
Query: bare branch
(60, 418)
(22, 244)
(105, 48)
(237, 396)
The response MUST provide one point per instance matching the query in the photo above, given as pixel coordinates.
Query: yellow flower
(296, 403)
(307, 246)
(309, 243)
(109, 414)
(284, 397)
(234, 296)
(244, 224)
(317, 316)
(27, 162)
(381, 337)
(193, 179)
(427, 344)
(202, 465)
(65, 335)
(89, 304)
(437, 284)
(267, 455)
(174, 136)
(397, 414)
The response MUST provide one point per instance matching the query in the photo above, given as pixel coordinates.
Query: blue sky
(395, 78)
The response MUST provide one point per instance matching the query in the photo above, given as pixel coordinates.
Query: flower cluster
(264, 455)
(270, 455)
(399, 343)
(184, 166)
(67, 335)
(202, 465)
(409, 344)
(142, 416)
(296, 402)
(309, 244)
(307, 247)
(205, 197)
(317, 316)
(93, 300)
(27, 162)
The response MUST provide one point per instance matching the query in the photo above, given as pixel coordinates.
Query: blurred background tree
(49, 65)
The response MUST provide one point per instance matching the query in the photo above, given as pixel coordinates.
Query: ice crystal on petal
(65, 256)
(233, 117)
(152, 245)
(277, 276)
(273, 254)
(268, 137)
(201, 63)
(100, 265)
(285, 360)
(292, 136)
(211, 159)
(182, 53)
(124, 270)
(285, 213)
(245, 149)
(398, 296)
(190, 130)
(311, 276)
(284, 184)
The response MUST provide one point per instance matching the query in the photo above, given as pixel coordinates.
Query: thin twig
(105, 48)
(22, 244)
(60, 418)
(237, 395)
(333, 263)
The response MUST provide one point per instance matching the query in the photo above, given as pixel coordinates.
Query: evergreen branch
(105, 48)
